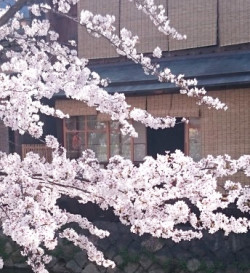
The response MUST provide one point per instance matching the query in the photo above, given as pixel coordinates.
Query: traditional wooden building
(216, 52)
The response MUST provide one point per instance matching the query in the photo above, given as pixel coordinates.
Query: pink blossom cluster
(30, 74)
(125, 44)
(156, 197)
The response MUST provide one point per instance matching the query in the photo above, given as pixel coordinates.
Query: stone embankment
(215, 253)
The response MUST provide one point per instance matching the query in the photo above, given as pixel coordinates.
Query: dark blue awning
(212, 70)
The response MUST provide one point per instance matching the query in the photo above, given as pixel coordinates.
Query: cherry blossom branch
(126, 46)
(155, 197)
(12, 11)
(102, 26)
(152, 198)
(158, 17)
(114, 105)
(81, 84)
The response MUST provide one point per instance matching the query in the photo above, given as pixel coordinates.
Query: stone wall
(133, 254)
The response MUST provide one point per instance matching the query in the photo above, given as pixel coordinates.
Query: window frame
(194, 123)
(132, 145)
(108, 130)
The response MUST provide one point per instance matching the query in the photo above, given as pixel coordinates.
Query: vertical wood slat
(138, 102)
(228, 132)
(175, 105)
(75, 108)
(89, 46)
(234, 22)
(140, 24)
(195, 18)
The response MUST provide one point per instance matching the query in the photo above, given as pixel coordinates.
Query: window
(184, 137)
(194, 139)
(166, 140)
(104, 138)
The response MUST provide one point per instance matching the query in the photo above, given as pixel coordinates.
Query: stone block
(156, 269)
(236, 243)
(193, 265)
(104, 244)
(110, 253)
(8, 248)
(118, 260)
(81, 259)
(131, 268)
(152, 244)
(73, 266)
(17, 258)
(145, 261)
(59, 268)
(232, 270)
(90, 268)
(52, 262)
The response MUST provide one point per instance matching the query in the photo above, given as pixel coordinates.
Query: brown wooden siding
(88, 46)
(140, 24)
(228, 132)
(222, 132)
(234, 21)
(176, 105)
(205, 22)
(75, 108)
(195, 18)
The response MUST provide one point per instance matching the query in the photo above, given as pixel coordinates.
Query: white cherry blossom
(153, 197)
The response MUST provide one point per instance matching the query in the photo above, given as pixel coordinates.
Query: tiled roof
(217, 70)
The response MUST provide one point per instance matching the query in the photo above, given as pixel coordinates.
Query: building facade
(216, 52)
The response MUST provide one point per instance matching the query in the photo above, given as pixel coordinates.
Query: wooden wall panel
(195, 18)
(200, 20)
(227, 132)
(75, 108)
(234, 21)
(141, 25)
(88, 46)
(137, 102)
(175, 105)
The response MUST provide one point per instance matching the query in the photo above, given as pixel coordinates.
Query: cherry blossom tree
(154, 197)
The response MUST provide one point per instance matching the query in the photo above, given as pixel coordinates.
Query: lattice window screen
(234, 21)
(140, 25)
(75, 108)
(195, 18)
(88, 46)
